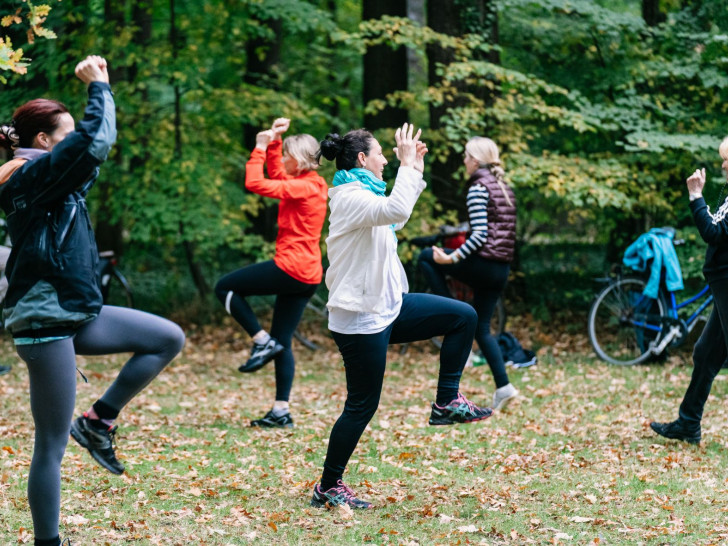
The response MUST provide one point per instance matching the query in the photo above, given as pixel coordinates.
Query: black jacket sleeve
(712, 228)
(74, 161)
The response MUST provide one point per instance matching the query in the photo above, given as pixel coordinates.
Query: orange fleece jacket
(301, 212)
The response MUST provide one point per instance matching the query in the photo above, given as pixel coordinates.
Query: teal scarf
(363, 176)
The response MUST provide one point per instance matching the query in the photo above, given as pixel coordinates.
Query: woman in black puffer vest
(483, 260)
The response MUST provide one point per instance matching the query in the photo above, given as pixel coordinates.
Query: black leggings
(52, 369)
(263, 279)
(365, 357)
(709, 354)
(487, 278)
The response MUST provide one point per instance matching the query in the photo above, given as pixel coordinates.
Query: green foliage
(25, 14)
(599, 117)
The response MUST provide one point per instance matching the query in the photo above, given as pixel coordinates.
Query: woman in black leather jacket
(53, 307)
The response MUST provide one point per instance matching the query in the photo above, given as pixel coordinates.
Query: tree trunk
(466, 16)
(334, 109)
(651, 13)
(385, 70)
(195, 269)
(261, 57)
(109, 234)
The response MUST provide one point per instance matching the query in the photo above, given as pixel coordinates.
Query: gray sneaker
(99, 442)
(504, 396)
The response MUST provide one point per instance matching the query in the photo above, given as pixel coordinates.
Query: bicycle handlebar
(425, 241)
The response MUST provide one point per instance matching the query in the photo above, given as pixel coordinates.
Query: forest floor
(573, 461)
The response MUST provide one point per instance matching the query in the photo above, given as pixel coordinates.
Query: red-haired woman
(53, 307)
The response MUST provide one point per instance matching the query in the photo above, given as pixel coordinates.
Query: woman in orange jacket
(295, 272)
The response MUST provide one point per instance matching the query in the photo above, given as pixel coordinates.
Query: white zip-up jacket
(364, 269)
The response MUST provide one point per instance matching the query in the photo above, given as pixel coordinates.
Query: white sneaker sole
(505, 401)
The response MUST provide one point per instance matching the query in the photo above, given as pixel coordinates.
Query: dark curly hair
(346, 149)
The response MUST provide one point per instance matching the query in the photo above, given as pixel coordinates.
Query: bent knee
(175, 339)
(467, 313)
(221, 291)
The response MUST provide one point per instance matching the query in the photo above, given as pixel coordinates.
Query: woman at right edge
(369, 307)
(711, 349)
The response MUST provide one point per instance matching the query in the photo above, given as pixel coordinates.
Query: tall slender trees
(385, 69)
(456, 18)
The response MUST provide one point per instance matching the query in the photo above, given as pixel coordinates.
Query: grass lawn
(572, 462)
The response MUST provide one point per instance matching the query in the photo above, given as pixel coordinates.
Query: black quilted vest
(501, 241)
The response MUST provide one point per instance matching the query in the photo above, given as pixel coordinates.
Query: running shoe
(5, 369)
(676, 430)
(66, 542)
(261, 354)
(504, 396)
(337, 496)
(460, 410)
(99, 442)
(271, 420)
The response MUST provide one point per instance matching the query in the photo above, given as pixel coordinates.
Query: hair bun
(331, 146)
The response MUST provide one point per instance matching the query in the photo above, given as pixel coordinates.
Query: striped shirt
(477, 202)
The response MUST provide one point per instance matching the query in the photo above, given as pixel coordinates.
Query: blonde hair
(723, 149)
(485, 152)
(304, 149)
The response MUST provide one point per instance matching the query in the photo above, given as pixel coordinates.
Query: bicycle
(626, 327)
(115, 289)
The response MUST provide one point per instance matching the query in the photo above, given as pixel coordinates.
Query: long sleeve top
(713, 228)
(301, 212)
(477, 202)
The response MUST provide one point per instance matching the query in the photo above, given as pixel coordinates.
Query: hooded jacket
(52, 267)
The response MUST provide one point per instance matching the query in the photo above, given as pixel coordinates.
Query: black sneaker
(98, 442)
(5, 370)
(460, 410)
(677, 431)
(261, 354)
(66, 542)
(271, 420)
(336, 496)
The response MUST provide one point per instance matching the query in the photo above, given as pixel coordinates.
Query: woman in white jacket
(369, 307)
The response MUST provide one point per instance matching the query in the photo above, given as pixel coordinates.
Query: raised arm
(273, 161)
(75, 159)
(713, 228)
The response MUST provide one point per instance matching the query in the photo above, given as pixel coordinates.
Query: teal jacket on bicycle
(655, 245)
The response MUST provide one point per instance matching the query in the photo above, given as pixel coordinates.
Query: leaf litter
(573, 461)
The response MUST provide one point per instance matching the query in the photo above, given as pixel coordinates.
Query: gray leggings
(52, 369)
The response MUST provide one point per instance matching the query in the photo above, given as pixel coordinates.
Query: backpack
(513, 354)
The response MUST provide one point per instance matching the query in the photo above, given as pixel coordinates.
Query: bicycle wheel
(118, 291)
(623, 322)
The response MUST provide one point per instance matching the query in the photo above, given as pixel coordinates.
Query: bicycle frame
(674, 322)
